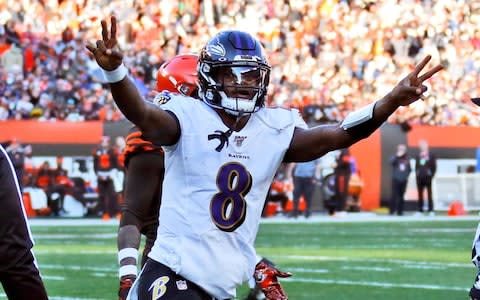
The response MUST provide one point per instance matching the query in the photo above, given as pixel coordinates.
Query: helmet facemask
(236, 88)
(233, 73)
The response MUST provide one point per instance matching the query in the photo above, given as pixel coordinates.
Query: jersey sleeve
(176, 104)
(181, 107)
(135, 143)
(280, 118)
(298, 119)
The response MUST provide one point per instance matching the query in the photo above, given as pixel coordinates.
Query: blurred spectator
(44, 176)
(280, 189)
(119, 180)
(401, 169)
(104, 164)
(425, 168)
(304, 175)
(12, 59)
(44, 179)
(342, 171)
(333, 56)
(61, 184)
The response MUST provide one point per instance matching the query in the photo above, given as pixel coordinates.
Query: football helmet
(178, 74)
(233, 73)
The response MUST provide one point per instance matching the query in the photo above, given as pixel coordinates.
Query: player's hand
(106, 52)
(266, 275)
(126, 283)
(411, 88)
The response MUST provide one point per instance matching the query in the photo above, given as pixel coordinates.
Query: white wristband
(127, 270)
(115, 75)
(127, 252)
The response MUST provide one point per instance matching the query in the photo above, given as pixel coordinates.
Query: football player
(19, 274)
(143, 185)
(144, 170)
(221, 155)
(475, 290)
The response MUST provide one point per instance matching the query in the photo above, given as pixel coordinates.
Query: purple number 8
(228, 207)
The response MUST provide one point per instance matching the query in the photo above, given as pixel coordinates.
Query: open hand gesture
(411, 88)
(107, 53)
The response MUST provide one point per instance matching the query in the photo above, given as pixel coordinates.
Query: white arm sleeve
(357, 117)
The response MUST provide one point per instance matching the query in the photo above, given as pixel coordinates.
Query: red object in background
(59, 132)
(27, 204)
(288, 206)
(4, 48)
(302, 204)
(355, 185)
(282, 187)
(277, 186)
(456, 209)
(29, 62)
(271, 209)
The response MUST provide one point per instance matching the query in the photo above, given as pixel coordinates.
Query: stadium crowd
(330, 56)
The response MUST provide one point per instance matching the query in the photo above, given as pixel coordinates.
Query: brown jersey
(135, 143)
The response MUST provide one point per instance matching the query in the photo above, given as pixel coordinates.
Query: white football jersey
(213, 196)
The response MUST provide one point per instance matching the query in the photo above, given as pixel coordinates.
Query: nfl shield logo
(181, 285)
(239, 140)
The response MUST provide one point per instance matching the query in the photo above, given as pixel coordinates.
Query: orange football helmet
(179, 74)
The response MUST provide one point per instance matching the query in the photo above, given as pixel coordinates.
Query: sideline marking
(77, 268)
(305, 270)
(362, 217)
(50, 277)
(61, 298)
(378, 284)
(80, 236)
(379, 260)
(376, 269)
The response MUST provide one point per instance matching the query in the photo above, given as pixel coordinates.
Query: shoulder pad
(167, 97)
(162, 98)
(277, 117)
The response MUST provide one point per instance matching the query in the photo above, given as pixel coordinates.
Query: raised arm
(158, 125)
(308, 144)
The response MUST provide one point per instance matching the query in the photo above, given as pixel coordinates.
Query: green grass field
(427, 260)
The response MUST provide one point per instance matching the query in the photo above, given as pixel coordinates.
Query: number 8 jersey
(214, 191)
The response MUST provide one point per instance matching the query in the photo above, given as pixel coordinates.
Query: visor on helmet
(240, 81)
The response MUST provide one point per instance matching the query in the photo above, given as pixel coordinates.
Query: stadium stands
(332, 56)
